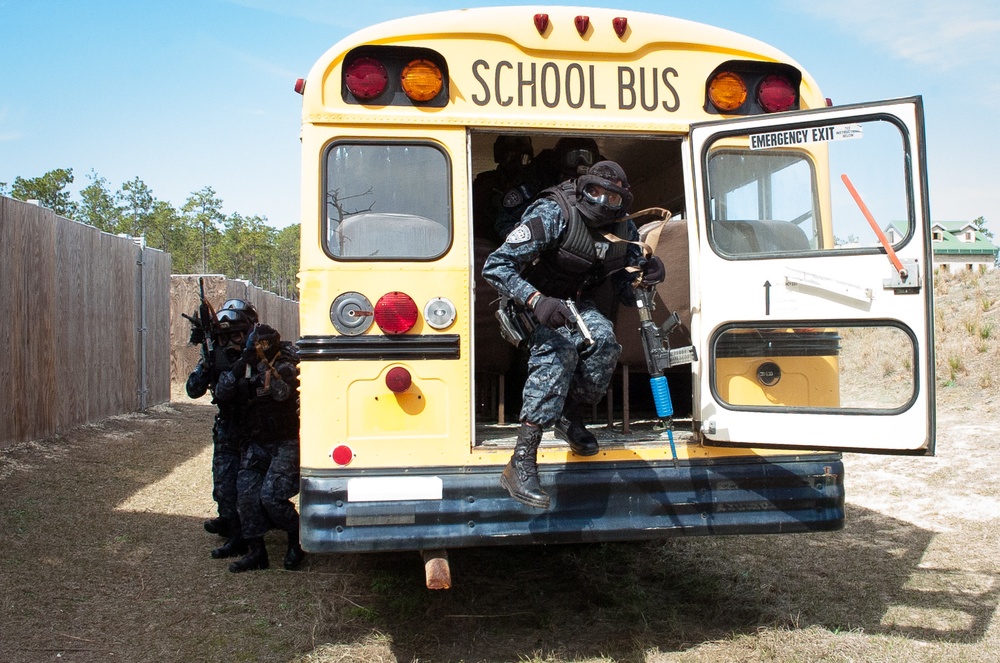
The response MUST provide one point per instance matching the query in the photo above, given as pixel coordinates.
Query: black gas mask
(603, 194)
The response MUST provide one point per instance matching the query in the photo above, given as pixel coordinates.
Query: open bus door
(814, 280)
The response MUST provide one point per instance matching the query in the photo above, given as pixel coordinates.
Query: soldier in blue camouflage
(568, 243)
(267, 375)
(232, 324)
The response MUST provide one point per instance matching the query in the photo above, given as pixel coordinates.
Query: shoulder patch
(513, 198)
(519, 235)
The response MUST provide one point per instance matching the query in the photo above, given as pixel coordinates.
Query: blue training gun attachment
(660, 357)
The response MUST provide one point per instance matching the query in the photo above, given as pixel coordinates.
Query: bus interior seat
(765, 236)
(371, 234)
(673, 295)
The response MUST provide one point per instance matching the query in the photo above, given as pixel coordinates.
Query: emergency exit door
(814, 295)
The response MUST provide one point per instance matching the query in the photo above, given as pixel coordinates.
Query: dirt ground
(103, 557)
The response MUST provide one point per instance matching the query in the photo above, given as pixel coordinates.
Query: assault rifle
(659, 357)
(203, 328)
(655, 347)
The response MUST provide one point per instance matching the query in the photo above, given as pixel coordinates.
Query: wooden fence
(86, 325)
(279, 312)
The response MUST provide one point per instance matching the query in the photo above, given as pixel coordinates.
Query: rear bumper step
(590, 502)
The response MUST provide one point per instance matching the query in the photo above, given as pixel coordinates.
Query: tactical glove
(552, 312)
(653, 271)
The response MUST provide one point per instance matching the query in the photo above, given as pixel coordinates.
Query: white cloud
(941, 35)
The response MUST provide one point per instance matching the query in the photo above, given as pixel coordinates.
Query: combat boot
(220, 526)
(233, 547)
(254, 560)
(520, 477)
(570, 428)
(295, 554)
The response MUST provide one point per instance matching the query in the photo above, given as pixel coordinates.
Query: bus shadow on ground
(103, 554)
(620, 601)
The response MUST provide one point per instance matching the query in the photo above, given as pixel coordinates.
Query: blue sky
(192, 93)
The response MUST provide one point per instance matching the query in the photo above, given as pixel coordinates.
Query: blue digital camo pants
(559, 366)
(226, 444)
(268, 481)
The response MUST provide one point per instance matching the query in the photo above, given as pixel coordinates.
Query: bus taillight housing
(394, 76)
(745, 87)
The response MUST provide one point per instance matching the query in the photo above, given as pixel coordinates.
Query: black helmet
(603, 194)
(576, 155)
(512, 150)
(236, 315)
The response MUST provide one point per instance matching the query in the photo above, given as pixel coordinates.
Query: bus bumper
(590, 502)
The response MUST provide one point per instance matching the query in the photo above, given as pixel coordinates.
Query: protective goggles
(579, 156)
(597, 194)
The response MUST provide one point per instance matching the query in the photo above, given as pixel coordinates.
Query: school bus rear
(408, 393)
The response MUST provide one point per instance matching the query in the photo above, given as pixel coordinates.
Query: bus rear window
(387, 201)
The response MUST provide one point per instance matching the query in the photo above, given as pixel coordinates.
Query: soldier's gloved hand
(197, 335)
(250, 353)
(653, 271)
(552, 312)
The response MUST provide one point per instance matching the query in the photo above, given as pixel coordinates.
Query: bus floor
(642, 432)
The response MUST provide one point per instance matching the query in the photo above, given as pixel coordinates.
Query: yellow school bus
(809, 332)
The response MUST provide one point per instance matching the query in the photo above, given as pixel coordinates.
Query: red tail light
(776, 94)
(366, 78)
(395, 313)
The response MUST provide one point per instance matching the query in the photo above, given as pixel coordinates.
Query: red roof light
(582, 23)
(621, 25)
(541, 23)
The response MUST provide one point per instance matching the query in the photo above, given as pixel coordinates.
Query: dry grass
(103, 557)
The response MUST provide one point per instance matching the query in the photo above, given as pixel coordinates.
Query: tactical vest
(574, 267)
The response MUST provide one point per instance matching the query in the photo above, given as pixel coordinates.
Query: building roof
(951, 244)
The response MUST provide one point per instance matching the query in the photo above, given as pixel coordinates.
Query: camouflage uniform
(269, 470)
(557, 367)
(228, 439)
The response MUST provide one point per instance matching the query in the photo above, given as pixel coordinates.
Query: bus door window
(387, 201)
(782, 191)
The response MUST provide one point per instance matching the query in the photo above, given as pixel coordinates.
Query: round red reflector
(775, 93)
(342, 455)
(366, 78)
(395, 313)
(398, 380)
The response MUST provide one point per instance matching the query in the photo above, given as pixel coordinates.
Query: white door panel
(810, 335)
